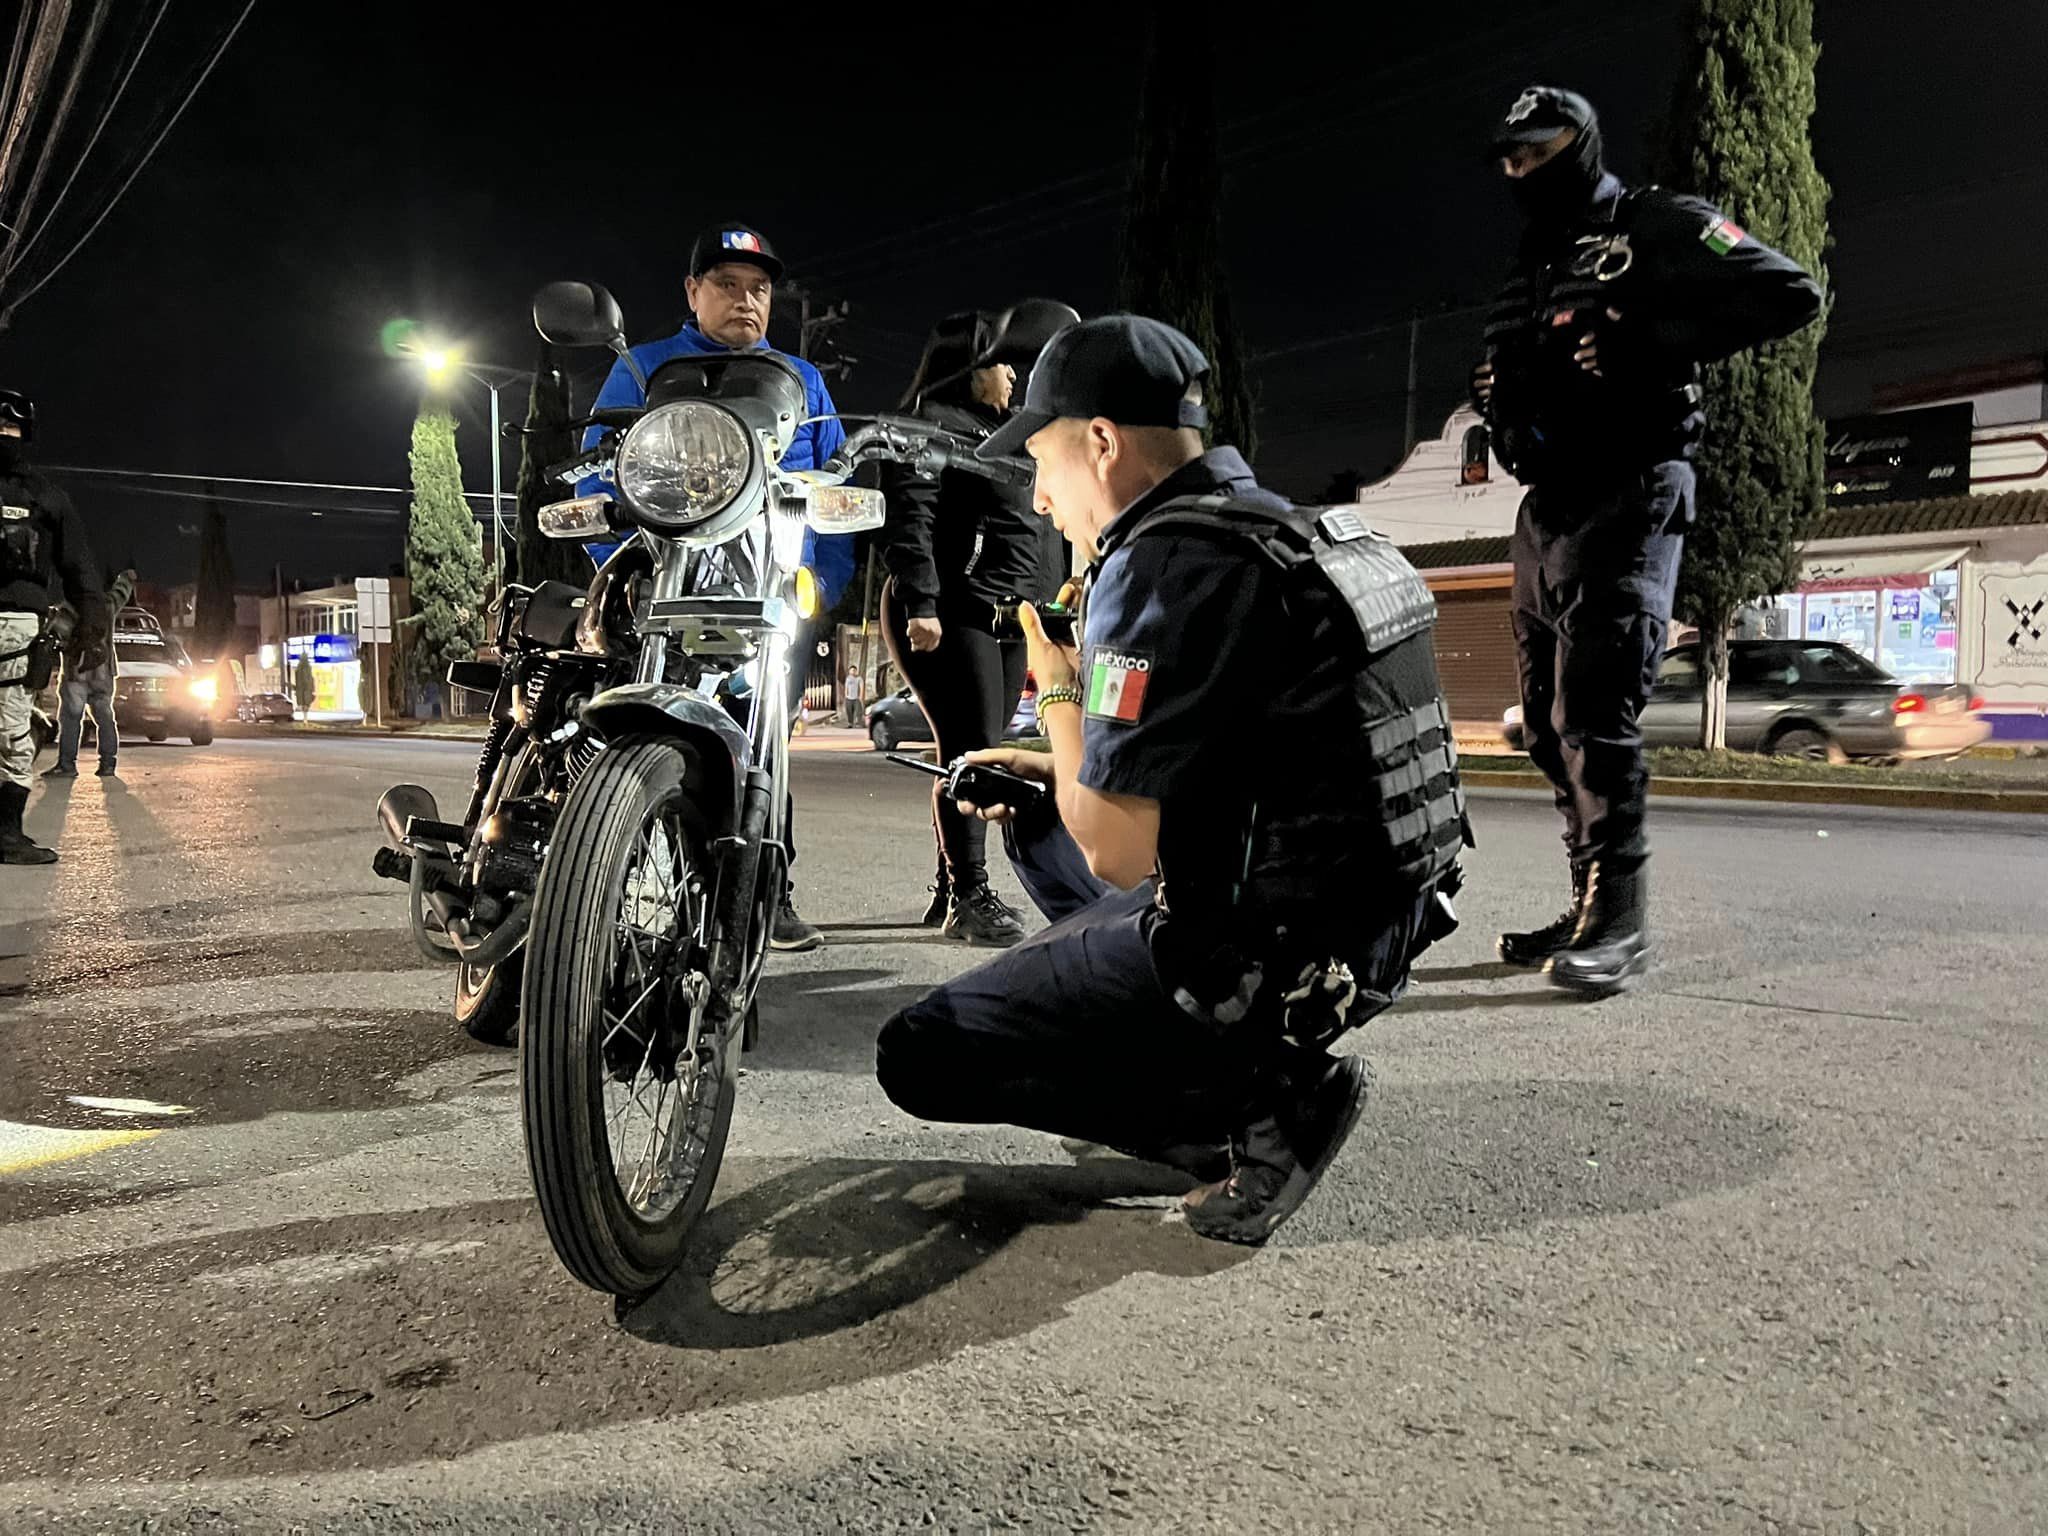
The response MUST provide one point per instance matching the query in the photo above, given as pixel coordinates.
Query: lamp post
(439, 363)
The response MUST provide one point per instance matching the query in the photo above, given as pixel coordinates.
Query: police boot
(15, 846)
(1534, 948)
(1279, 1157)
(942, 898)
(978, 915)
(1612, 945)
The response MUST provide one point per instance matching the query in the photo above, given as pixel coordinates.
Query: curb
(2023, 802)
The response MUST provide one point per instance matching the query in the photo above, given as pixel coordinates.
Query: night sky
(349, 164)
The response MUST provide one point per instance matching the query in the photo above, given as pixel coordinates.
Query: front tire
(881, 734)
(203, 737)
(615, 990)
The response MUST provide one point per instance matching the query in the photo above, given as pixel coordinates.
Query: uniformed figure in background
(1256, 815)
(1591, 387)
(44, 560)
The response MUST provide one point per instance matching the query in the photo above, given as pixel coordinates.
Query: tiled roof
(1457, 552)
(1948, 514)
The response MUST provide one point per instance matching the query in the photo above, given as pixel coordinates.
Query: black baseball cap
(734, 242)
(1129, 369)
(1539, 115)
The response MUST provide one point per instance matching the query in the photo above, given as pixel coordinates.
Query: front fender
(669, 709)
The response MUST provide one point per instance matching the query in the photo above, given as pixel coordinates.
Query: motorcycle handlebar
(925, 448)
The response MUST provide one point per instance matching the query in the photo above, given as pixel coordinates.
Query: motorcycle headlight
(205, 689)
(683, 464)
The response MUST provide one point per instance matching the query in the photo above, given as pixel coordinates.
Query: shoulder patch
(1722, 235)
(1116, 684)
(15, 514)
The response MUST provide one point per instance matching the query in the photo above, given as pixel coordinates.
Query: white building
(1948, 588)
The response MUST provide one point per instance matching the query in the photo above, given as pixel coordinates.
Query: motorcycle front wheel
(626, 1080)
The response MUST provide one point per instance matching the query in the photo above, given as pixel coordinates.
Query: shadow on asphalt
(1459, 1002)
(826, 1021)
(445, 1330)
(234, 1066)
(1487, 970)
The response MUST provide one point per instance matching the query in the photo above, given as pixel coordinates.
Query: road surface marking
(129, 1106)
(35, 1146)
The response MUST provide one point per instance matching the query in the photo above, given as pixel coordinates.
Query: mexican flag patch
(1116, 685)
(1723, 235)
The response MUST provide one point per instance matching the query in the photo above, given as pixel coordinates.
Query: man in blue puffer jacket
(730, 289)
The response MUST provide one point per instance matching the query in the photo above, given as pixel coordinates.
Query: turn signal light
(806, 593)
(1908, 704)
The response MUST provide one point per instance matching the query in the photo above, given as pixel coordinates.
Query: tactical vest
(21, 547)
(1548, 414)
(1368, 813)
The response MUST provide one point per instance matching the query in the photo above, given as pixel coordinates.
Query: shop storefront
(337, 675)
(1902, 611)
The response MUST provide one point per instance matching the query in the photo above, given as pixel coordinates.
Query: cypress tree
(1740, 137)
(213, 608)
(1170, 262)
(443, 558)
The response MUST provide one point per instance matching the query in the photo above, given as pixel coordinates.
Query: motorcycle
(472, 883)
(657, 835)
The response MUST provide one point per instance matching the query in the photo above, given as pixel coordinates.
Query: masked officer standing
(42, 549)
(1591, 387)
(1239, 868)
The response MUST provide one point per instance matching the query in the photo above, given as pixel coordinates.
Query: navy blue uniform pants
(1071, 1031)
(1595, 572)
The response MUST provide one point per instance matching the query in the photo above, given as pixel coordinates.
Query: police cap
(1127, 369)
(1539, 115)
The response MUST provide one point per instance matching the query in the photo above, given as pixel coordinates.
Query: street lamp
(439, 363)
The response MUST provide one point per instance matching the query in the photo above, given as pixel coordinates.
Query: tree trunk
(1714, 685)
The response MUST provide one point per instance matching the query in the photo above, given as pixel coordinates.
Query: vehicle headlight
(205, 689)
(683, 464)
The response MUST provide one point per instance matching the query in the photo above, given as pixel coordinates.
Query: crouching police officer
(1237, 870)
(42, 548)
(1590, 385)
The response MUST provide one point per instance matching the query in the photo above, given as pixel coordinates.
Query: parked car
(263, 708)
(159, 692)
(1805, 698)
(896, 720)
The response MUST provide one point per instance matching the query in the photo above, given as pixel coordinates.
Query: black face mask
(1561, 189)
(13, 454)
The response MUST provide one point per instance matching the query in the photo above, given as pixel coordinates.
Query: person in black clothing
(44, 557)
(1590, 386)
(956, 549)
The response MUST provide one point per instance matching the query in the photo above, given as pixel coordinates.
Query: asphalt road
(1757, 1248)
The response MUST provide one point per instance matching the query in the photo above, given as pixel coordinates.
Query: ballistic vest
(1355, 807)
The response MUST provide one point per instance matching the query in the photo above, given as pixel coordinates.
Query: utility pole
(1414, 374)
(814, 328)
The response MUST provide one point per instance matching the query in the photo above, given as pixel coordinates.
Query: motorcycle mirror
(578, 315)
(1018, 334)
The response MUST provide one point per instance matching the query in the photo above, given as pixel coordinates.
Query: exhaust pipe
(401, 803)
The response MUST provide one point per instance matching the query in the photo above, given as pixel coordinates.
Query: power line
(113, 101)
(147, 154)
(293, 485)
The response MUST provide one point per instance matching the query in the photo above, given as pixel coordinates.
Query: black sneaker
(60, 771)
(981, 917)
(941, 902)
(1204, 1165)
(1276, 1160)
(791, 934)
(106, 771)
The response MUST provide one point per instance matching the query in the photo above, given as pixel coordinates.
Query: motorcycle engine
(514, 839)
